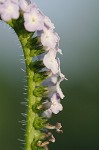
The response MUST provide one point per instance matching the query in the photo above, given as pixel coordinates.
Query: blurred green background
(77, 22)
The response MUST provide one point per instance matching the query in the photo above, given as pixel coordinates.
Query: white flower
(33, 20)
(47, 113)
(54, 79)
(49, 39)
(55, 88)
(60, 73)
(50, 61)
(23, 5)
(9, 10)
(48, 23)
(56, 106)
(31, 7)
(58, 89)
(60, 51)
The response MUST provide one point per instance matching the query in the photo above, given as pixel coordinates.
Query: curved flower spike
(40, 45)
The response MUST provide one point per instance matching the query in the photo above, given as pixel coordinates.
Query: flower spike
(40, 45)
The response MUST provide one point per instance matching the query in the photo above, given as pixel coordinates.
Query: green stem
(33, 121)
(31, 133)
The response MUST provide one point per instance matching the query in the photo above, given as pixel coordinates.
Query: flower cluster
(36, 21)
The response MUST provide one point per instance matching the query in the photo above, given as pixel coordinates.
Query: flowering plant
(39, 40)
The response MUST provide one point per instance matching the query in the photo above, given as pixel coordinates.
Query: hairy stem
(31, 133)
(33, 120)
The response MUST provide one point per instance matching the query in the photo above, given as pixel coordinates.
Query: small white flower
(48, 23)
(60, 51)
(49, 39)
(56, 106)
(60, 73)
(23, 5)
(58, 89)
(9, 10)
(33, 20)
(47, 113)
(54, 79)
(31, 7)
(50, 61)
(55, 88)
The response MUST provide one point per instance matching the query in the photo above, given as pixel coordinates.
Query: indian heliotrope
(38, 38)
